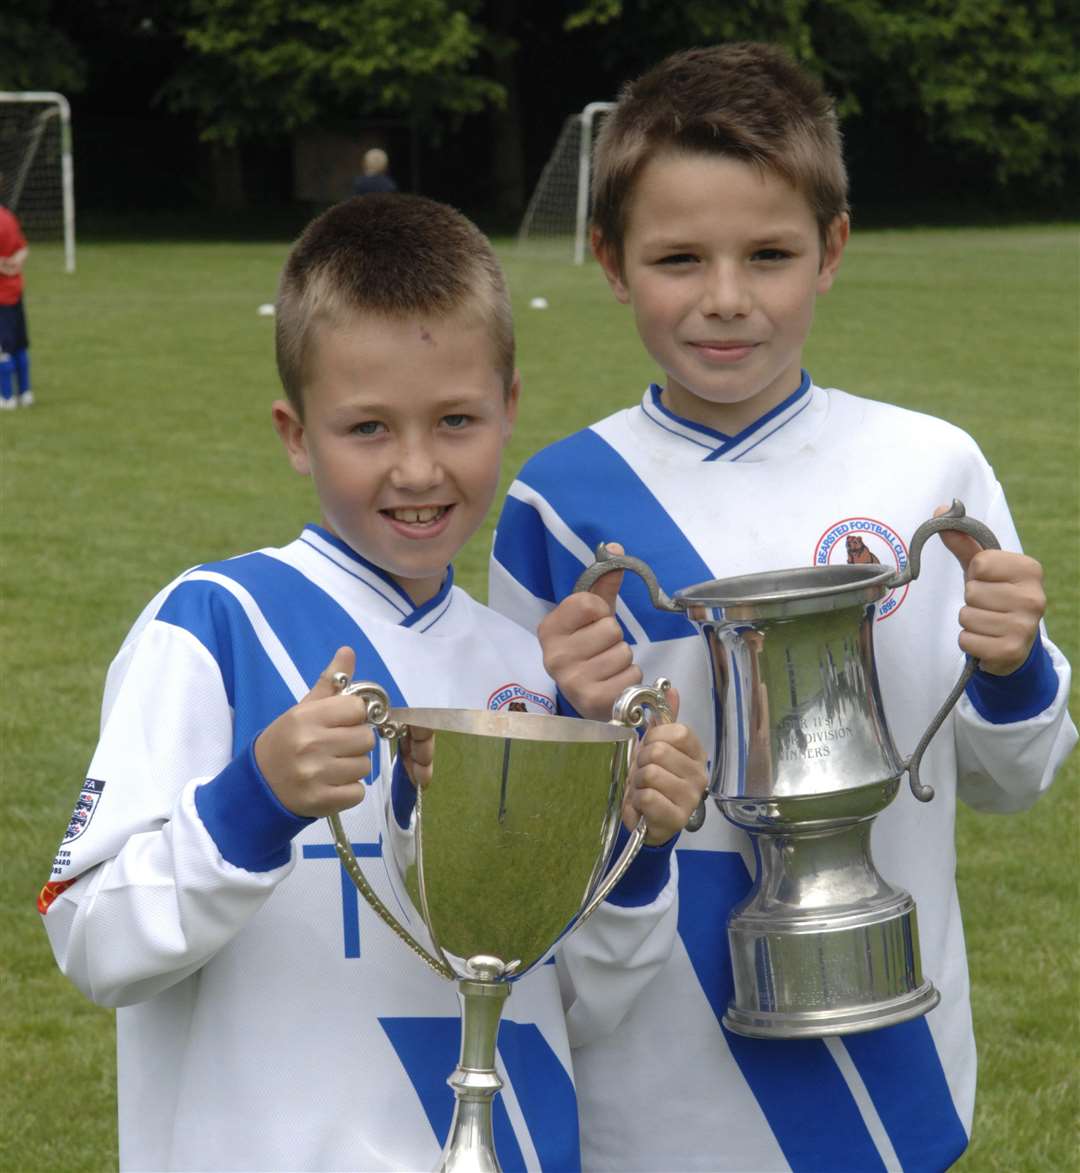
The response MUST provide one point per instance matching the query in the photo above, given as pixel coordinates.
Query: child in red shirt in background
(14, 341)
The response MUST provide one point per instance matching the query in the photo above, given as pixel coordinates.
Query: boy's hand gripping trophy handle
(954, 518)
(605, 563)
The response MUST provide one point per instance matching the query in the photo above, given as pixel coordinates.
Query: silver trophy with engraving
(505, 850)
(804, 762)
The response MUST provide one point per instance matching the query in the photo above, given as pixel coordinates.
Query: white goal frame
(56, 107)
(579, 124)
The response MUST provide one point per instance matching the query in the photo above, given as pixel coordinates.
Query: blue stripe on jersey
(799, 1089)
(255, 691)
(521, 545)
(428, 1049)
(545, 1093)
(902, 1072)
(310, 624)
(600, 497)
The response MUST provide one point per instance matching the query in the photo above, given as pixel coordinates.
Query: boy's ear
(290, 427)
(835, 239)
(609, 262)
(513, 396)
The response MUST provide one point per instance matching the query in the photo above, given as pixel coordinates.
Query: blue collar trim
(719, 444)
(379, 581)
(655, 393)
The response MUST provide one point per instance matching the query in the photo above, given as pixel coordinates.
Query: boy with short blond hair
(720, 217)
(268, 1019)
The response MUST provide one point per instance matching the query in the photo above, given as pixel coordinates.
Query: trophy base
(824, 972)
(811, 1024)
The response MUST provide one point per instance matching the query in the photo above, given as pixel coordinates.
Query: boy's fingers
(347, 739)
(607, 585)
(574, 613)
(420, 744)
(962, 547)
(338, 711)
(344, 661)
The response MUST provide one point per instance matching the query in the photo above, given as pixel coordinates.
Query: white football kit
(823, 477)
(268, 1019)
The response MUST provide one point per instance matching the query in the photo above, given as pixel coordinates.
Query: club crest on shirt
(85, 805)
(516, 698)
(865, 541)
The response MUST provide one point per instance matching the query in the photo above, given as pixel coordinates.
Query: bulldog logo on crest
(865, 541)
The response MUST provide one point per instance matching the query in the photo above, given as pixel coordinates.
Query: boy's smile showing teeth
(422, 517)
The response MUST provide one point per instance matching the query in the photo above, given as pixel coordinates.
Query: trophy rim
(843, 582)
(515, 726)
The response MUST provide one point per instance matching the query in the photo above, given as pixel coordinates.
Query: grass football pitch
(150, 449)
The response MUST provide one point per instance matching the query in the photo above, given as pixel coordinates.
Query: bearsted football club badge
(865, 540)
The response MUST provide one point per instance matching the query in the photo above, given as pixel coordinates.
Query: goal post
(558, 211)
(36, 161)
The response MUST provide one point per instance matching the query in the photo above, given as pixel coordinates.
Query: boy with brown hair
(268, 1019)
(720, 216)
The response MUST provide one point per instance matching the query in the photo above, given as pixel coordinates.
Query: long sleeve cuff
(402, 794)
(245, 818)
(563, 707)
(646, 877)
(1023, 694)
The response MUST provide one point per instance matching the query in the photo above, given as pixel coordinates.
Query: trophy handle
(955, 518)
(631, 708)
(378, 703)
(606, 562)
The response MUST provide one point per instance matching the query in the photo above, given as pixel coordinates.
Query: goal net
(35, 160)
(558, 213)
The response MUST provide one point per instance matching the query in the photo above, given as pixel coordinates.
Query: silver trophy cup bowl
(803, 762)
(506, 850)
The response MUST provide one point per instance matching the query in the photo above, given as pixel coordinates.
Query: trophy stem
(470, 1147)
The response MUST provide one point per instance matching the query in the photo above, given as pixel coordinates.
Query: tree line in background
(935, 95)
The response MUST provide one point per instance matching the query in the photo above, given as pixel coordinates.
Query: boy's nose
(416, 468)
(725, 294)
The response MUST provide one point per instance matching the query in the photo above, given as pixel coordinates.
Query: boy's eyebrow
(780, 232)
(463, 397)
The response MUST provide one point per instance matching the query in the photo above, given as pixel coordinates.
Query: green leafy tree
(990, 78)
(996, 80)
(34, 53)
(263, 67)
